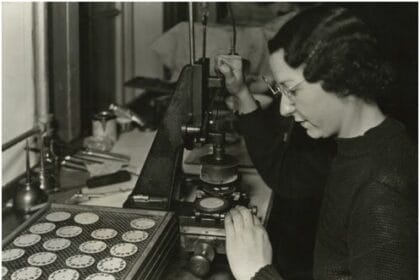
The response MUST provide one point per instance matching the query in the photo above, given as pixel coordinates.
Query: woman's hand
(248, 248)
(231, 68)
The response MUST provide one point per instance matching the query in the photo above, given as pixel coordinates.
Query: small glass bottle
(51, 166)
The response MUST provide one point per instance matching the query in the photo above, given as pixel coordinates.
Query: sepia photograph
(209, 140)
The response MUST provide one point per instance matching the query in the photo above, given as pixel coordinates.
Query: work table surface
(136, 144)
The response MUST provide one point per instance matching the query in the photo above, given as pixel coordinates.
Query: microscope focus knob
(202, 258)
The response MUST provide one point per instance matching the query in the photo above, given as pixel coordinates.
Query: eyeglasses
(277, 89)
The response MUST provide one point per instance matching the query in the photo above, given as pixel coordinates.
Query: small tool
(74, 166)
(83, 158)
(104, 155)
(75, 161)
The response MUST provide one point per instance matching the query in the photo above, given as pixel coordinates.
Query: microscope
(202, 200)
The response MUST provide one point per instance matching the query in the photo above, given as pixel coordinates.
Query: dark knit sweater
(301, 170)
(368, 222)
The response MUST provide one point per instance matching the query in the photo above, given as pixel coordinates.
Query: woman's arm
(280, 165)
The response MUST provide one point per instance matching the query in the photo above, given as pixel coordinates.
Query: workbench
(137, 144)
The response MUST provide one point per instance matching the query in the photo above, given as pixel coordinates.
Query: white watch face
(142, 223)
(111, 265)
(56, 244)
(92, 246)
(123, 250)
(86, 218)
(211, 202)
(100, 276)
(69, 231)
(135, 236)
(42, 258)
(104, 233)
(27, 240)
(58, 216)
(12, 254)
(64, 274)
(80, 261)
(42, 228)
(26, 273)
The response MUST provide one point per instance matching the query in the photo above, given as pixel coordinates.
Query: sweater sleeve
(383, 233)
(267, 272)
(282, 164)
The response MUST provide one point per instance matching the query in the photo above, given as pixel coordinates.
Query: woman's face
(319, 112)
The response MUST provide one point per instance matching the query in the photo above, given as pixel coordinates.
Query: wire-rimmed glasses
(278, 89)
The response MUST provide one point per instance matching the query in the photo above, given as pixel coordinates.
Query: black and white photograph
(211, 140)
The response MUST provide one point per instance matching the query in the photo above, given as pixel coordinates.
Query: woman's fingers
(238, 222)
(225, 68)
(257, 221)
(247, 216)
(229, 228)
(241, 217)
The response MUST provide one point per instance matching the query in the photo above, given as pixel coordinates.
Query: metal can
(104, 125)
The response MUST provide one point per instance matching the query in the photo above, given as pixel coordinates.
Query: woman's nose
(287, 108)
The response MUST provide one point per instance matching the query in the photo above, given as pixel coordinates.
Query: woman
(327, 68)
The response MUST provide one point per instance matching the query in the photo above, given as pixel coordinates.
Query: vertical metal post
(191, 32)
(119, 60)
(66, 69)
(41, 64)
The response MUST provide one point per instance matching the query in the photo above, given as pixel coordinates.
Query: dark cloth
(368, 221)
(266, 273)
(367, 227)
(297, 174)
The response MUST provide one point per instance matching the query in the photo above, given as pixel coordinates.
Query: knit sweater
(294, 213)
(367, 227)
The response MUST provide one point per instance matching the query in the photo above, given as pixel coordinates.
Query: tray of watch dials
(71, 242)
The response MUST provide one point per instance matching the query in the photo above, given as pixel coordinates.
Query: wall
(148, 26)
(137, 27)
(18, 104)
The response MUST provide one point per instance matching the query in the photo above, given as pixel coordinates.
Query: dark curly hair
(336, 48)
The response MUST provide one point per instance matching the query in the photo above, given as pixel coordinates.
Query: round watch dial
(26, 273)
(27, 240)
(111, 265)
(86, 218)
(92, 246)
(42, 228)
(64, 274)
(142, 223)
(58, 216)
(80, 261)
(12, 254)
(100, 276)
(56, 244)
(69, 231)
(135, 236)
(104, 233)
(42, 258)
(123, 250)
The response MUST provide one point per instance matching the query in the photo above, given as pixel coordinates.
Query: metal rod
(120, 62)
(204, 22)
(233, 46)
(19, 138)
(40, 45)
(28, 164)
(191, 32)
